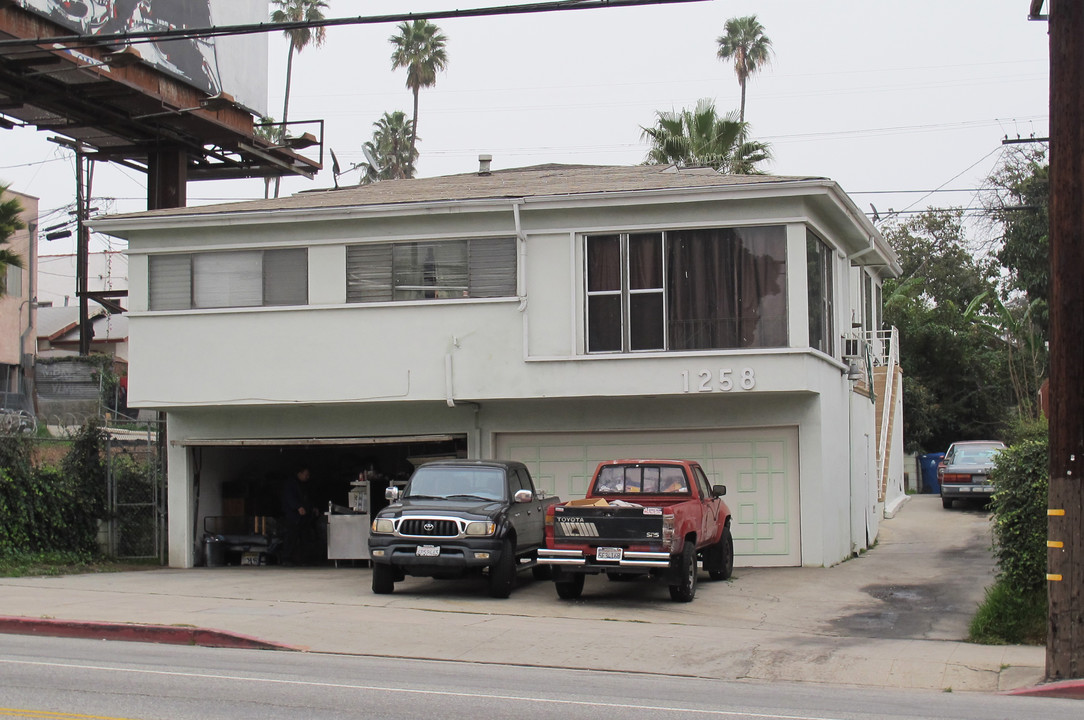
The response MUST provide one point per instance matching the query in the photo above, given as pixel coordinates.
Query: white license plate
(608, 553)
(978, 478)
(250, 558)
(427, 551)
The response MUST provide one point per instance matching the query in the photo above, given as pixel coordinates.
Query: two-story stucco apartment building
(557, 315)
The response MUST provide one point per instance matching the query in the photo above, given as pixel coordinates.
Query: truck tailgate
(608, 525)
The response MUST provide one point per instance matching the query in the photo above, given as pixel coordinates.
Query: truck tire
(383, 579)
(685, 589)
(502, 574)
(541, 572)
(570, 588)
(720, 559)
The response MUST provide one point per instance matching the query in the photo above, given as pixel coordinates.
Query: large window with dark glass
(703, 289)
(431, 270)
(820, 286)
(248, 278)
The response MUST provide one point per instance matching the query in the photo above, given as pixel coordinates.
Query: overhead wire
(148, 36)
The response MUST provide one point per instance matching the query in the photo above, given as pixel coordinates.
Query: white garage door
(759, 468)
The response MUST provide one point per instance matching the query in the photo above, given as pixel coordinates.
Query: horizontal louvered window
(170, 282)
(431, 270)
(229, 279)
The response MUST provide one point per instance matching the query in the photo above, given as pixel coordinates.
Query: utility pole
(82, 250)
(1065, 521)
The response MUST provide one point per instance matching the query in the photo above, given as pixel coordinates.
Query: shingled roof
(536, 181)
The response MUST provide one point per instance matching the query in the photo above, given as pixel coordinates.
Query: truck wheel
(721, 557)
(571, 588)
(541, 572)
(685, 589)
(502, 574)
(383, 579)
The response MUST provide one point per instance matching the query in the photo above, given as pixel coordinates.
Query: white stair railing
(887, 343)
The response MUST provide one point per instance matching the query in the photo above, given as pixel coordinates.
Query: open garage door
(238, 483)
(759, 468)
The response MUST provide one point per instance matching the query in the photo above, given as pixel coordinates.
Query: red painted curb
(1069, 689)
(165, 634)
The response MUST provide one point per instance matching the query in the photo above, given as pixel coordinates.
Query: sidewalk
(893, 617)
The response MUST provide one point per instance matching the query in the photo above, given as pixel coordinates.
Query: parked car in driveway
(965, 471)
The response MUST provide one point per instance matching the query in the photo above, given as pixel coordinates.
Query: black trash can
(214, 550)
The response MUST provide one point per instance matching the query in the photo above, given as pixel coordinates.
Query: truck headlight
(383, 525)
(480, 528)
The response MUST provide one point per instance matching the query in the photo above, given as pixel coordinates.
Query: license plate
(978, 478)
(250, 558)
(608, 553)
(428, 551)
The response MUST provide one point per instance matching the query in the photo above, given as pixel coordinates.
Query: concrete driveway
(893, 617)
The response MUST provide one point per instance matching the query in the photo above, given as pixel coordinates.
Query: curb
(131, 632)
(1068, 689)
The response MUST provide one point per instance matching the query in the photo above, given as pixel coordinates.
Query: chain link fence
(135, 477)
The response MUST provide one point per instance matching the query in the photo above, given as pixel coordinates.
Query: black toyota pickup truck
(460, 516)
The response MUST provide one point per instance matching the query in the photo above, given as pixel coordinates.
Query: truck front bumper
(452, 556)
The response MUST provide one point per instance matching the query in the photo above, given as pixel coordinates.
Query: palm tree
(300, 38)
(10, 222)
(391, 149)
(420, 48)
(699, 138)
(745, 44)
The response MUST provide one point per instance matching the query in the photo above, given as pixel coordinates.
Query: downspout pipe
(521, 247)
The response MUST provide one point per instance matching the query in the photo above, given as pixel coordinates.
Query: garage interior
(238, 486)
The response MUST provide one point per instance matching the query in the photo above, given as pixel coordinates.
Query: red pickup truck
(641, 517)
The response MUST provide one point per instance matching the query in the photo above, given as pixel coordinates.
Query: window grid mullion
(626, 309)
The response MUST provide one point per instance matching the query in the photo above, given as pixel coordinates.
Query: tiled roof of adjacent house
(536, 181)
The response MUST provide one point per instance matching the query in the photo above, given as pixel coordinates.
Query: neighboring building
(17, 313)
(558, 315)
(106, 271)
(69, 388)
(58, 333)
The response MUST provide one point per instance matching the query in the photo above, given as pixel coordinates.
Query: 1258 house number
(705, 381)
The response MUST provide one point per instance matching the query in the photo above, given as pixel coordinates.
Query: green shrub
(1015, 608)
(47, 509)
(1008, 616)
(1019, 504)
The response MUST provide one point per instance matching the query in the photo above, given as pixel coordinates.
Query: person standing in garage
(299, 518)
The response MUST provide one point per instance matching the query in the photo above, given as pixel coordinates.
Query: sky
(904, 104)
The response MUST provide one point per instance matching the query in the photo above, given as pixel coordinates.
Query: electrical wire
(149, 36)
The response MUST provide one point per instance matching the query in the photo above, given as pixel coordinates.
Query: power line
(146, 36)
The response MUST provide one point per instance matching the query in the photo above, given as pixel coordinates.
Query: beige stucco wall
(16, 313)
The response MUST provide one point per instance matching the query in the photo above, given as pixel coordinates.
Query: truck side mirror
(718, 490)
(392, 493)
(523, 496)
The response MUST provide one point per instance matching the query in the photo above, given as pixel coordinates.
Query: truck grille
(424, 527)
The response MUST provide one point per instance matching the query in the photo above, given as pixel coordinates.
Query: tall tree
(390, 148)
(746, 45)
(300, 38)
(420, 48)
(1018, 203)
(699, 138)
(10, 222)
(956, 383)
